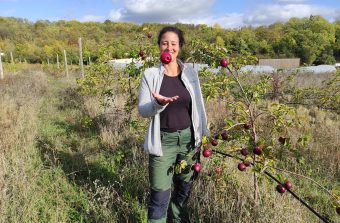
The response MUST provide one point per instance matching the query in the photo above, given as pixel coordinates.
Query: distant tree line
(313, 39)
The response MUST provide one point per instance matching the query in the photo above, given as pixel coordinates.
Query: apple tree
(257, 130)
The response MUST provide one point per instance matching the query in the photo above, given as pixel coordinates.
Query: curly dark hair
(173, 29)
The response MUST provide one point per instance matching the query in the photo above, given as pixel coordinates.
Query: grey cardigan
(149, 108)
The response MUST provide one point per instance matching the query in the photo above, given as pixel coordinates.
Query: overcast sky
(229, 14)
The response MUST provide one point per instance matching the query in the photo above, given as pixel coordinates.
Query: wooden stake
(12, 60)
(65, 61)
(1, 69)
(58, 66)
(81, 64)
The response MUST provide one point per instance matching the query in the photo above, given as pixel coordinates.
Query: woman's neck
(172, 69)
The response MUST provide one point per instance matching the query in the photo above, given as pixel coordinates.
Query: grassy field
(65, 159)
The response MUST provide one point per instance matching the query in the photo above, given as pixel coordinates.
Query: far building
(286, 63)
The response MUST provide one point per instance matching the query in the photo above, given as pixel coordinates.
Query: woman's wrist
(158, 102)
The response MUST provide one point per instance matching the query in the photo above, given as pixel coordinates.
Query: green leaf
(301, 160)
(228, 122)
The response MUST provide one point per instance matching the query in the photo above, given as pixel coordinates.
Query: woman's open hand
(162, 100)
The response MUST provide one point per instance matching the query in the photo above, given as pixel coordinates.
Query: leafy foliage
(313, 39)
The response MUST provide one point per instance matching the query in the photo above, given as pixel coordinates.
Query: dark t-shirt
(177, 115)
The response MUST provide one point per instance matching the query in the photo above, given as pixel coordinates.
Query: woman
(170, 95)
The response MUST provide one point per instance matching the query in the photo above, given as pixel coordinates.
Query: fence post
(12, 60)
(81, 64)
(65, 60)
(58, 66)
(1, 68)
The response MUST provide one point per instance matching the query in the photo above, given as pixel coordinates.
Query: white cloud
(201, 12)
(338, 17)
(92, 18)
(290, 1)
(268, 14)
(116, 15)
(162, 11)
(232, 20)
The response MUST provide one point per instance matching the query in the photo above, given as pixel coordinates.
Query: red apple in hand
(206, 152)
(224, 62)
(280, 188)
(242, 166)
(166, 57)
(288, 185)
(197, 167)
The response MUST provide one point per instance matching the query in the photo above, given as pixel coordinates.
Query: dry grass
(305, 80)
(30, 192)
(18, 120)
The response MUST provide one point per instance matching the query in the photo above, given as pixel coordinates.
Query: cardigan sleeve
(147, 105)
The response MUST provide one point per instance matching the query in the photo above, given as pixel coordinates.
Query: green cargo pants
(177, 147)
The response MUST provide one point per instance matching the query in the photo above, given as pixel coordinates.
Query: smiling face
(170, 43)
